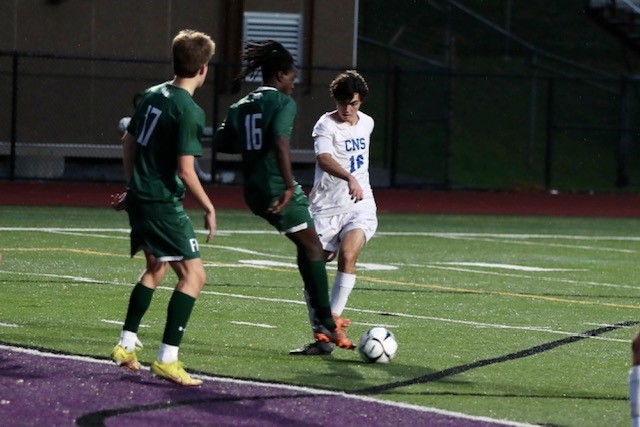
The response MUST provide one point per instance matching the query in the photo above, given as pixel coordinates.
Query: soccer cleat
(316, 348)
(174, 372)
(125, 359)
(337, 336)
(341, 322)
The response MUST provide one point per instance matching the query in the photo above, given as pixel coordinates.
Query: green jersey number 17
(150, 121)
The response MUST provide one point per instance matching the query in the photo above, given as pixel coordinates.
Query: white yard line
(120, 323)
(608, 325)
(521, 276)
(507, 266)
(553, 245)
(268, 263)
(246, 251)
(516, 238)
(257, 325)
(8, 325)
(508, 236)
(358, 310)
(77, 233)
(384, 325)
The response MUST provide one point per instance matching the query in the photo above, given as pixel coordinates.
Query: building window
(285, 28)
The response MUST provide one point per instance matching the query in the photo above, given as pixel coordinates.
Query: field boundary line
(263, 384)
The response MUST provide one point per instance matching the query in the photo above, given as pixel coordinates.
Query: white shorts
(331, 229)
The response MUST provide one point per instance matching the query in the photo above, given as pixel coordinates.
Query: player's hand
(282, 201)
(355, 190)
(210, 224)
(119, 201)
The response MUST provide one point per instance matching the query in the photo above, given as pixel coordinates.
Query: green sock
(139, 302)
(314, 276)
(305, 271)
(178, 313)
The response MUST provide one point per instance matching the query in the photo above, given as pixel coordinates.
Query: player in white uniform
(634, 381)
(342, 202)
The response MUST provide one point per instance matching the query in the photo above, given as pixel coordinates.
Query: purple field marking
(39, 388)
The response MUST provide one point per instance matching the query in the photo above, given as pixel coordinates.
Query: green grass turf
(478, 339)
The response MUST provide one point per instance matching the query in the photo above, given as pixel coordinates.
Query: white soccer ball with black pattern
(377, 345)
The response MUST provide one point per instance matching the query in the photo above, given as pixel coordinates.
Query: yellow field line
(75, 251)
(500, 293)
(374, 280)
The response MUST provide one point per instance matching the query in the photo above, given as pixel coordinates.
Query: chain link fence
(435, 127)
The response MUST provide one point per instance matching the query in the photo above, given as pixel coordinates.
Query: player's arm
(283, 156)
(224, 140)
(282, 128)
(119, 200)
(328, 164)
(128, 152)
(187, 173)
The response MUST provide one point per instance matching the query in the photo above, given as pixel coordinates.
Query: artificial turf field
(519, 318)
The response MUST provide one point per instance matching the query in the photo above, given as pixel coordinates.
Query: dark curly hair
(346, 84)
(269, 56)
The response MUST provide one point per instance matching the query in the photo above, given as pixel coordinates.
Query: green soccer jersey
(253, 123)
(167, 123)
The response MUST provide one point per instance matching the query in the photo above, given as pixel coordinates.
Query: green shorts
(168, 239)
(296, 216)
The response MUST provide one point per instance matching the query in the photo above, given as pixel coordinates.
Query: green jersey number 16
(253, 131)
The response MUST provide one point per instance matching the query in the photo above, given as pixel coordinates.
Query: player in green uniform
(159, 150)
(259, 126)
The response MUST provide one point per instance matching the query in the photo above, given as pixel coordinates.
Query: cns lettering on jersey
(355, 144)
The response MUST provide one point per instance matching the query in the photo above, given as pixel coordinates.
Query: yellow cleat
(125, 359)
(174, 372)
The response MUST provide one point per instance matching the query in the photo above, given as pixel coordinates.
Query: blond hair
(191, 50)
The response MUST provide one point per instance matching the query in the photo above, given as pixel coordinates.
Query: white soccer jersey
(349, 146)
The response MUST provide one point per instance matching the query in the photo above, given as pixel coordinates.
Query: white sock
(634, 395)
(128, 340)
(342, 286)
(168, 353)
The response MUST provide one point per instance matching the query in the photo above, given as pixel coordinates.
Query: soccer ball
(377, 345)
(123, 124)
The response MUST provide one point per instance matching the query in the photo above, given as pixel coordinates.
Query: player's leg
(307, 273)
(191, 280)
(352, 243)
(357, 228)
(634, 381)
(296, 223)
(315, 348)
(180, 247)
(327, 229)
(124, 352)
(142, 293)
(312, 267)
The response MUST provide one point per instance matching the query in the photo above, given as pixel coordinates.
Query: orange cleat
(337, 336)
